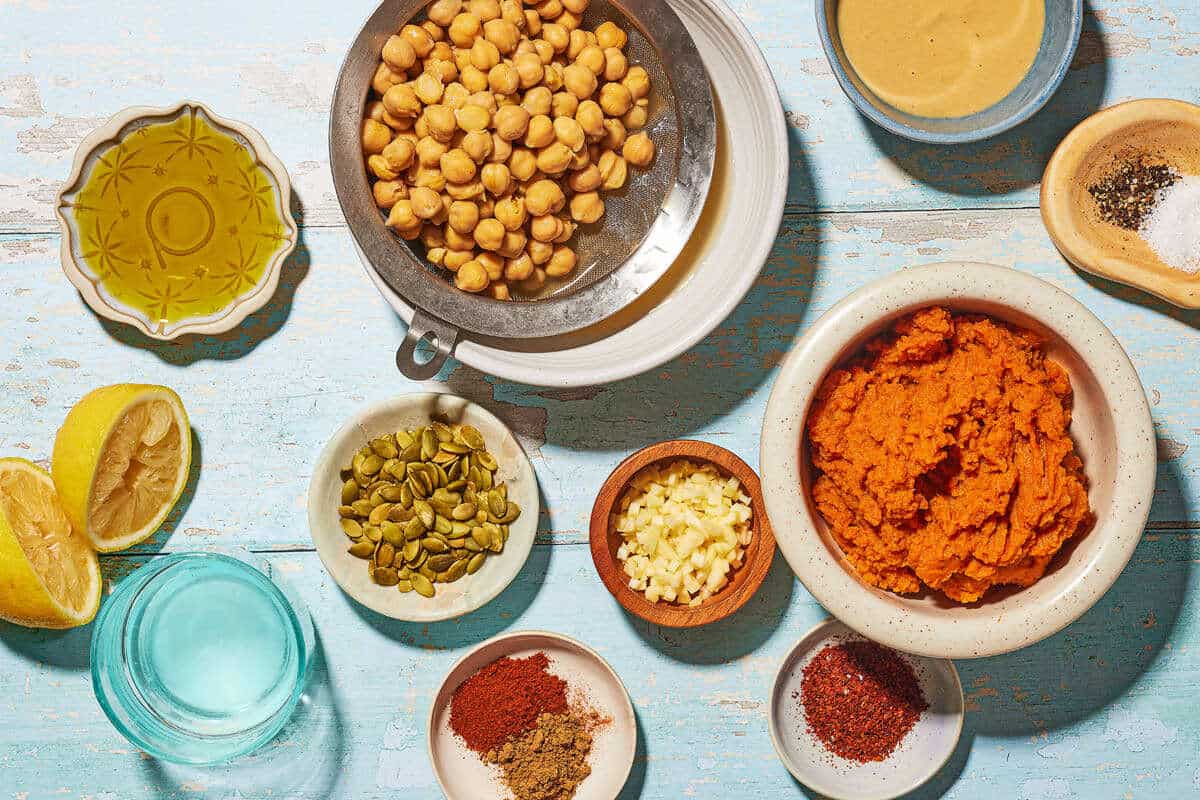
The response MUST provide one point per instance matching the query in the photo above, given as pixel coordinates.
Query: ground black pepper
(1127, 195)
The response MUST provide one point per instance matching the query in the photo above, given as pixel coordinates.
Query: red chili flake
(860, 699)
(504, 700)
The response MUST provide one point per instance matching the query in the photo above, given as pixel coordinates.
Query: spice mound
(516, 716)
(423, 507)
(943, 457)
(860, 700)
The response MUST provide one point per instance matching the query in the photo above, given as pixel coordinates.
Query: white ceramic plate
(405, 412)
(1110, 424)
(726, 253)
(919, 756)
(464, 777)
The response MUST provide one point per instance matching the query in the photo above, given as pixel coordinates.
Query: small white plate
(463, 776)
(926, 748)
(404, 412)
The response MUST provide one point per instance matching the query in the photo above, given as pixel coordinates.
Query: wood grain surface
(1104, 709)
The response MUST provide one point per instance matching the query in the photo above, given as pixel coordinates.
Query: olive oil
(177, 219)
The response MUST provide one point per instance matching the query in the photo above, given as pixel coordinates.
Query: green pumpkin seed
(434, 545)
(429, 444)
(485, 479)
(472, 545)
(346, 511)
(385, 576)
(472, 438)
(349, 492)
(455, 448)
(385, 554)
(481, 537)
(425, 513)
(362, 507)
(459, 529)
(455, 571)
(422, 585)
(412, 549)
(475, 563)
(392, 493)
(458, 542)
(415, 487)
(393, 534)
(442, 525)
(361, 549)
(372, 533)
(511, 512)
(419, 561)
(384, 449)
(456, 484)
(441, 563)
(405, 586)
(486, 460)
(352, 528)
(429, 574)
(463, 512)
(406, 496)
(414, 528)
(371, 465)
(379, 514)
(403, 439)
(400, 514)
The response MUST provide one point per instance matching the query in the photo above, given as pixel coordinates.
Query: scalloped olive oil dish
(177, 219)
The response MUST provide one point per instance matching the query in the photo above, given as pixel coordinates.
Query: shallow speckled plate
(589, 677)
(399, 413)
(920, 755)
(1111, 427)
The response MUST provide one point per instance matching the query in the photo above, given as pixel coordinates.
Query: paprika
(504, 700)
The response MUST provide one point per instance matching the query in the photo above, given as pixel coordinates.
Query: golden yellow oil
(177, 220)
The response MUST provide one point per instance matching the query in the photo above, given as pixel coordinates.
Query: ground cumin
(550, 761)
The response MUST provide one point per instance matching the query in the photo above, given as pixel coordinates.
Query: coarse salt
(1173, 227)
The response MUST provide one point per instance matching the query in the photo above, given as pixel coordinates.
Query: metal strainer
(645, 226)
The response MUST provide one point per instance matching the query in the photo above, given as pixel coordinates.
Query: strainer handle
(431, 329)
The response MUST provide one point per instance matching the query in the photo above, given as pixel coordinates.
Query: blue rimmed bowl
(1064, 21)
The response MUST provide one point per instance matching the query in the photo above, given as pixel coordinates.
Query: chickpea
(533, 23)
(518, 268)
(562, 262)
(575, 6)
(456, 258)
(471, 277)
(473, 118)
(544, 50)
(568, 230)
(464, 29)
(552, 76)
(609, 34)
(529, 69)
(580, 160)
(511, 213)
(398, 155)
(402, 101)
(465, 191)
(544, 197)
(537, 100)
(484, 99)
(425, 202)
(428, 176)
(614, 134)
(534, 282)
(428, 88)
(402, 218)
(501, 149)
(585, 180)
(444, 70)
(513, 244)
(436, 255)
(496, 178)
(484, 55)
(569, 21)
(478, 145)
(398, 54)
(522, 163)
(487, 208)
(616, 65)
(379, 167)
(615, 99)
(499, 291)
(546, 228)
(592, 57)
(375, 137)
(419, 38)
(457, 166)
(637, 81)
(512, 122)
(590, 119)
(579, 81)
(430, 151)
(493, 265)
(441, 122)
(539, 132)
(587, 207)
(385, 79)
(409, 234)
(548, 9)
(576, 41)
(455, 96)
(569, 132)
(436, 32)
(503, 34)
(486, 10)
(489, 234)
(388, 192)
(539, 252)
(375, 111)
(460, 241)
(564, 104)
(503, 79)
(556, 35)
(399, 124)
(638, 150)
(443, 12)
(463, 217)
(442, 51)
(613, 170)
(635, 117)
(512, 11)
(420, 127)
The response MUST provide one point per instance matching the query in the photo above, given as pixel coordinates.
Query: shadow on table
(1129, 294)
(233, 344)
(1093, 662)
(637, 774)
(1016, 159)
(304, 760)
(737, 635)
(68, 649)
(707, 382)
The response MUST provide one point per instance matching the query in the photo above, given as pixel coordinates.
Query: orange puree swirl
(943, 457)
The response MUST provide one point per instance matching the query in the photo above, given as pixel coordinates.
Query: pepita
(385, 576)
(352, 528)
(393, 534)
(362, 550)
(422, 585)
(441, 563)
(384, 449)
(346, 511)
(434, 545)
(486, 460)
(385, 554)
(475, 563)
(471, 437)
(456, 570)
(412, 548)
(372, 533)
(463, 512)
(349, 492)
(405, 586)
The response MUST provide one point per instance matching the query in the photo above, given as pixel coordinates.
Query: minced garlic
(685, 528)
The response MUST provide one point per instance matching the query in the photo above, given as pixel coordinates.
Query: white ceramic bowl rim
(876, 615)
(110, 133)
(658, 337)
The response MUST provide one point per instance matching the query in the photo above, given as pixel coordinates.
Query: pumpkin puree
(944, 458)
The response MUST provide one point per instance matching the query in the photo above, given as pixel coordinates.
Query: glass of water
(199, 658)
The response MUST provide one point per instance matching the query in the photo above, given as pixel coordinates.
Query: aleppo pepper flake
(504, 700)
(860, 699)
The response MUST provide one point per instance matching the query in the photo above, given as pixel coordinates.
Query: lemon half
(121, 461)
(49, 575)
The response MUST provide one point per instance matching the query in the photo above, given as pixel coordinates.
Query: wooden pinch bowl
(1165, 131)
(744, 581)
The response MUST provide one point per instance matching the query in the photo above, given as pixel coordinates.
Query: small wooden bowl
(1163, 129)
(744, 581)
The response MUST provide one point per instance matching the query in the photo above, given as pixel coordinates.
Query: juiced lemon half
(49, 575)
(121, 461)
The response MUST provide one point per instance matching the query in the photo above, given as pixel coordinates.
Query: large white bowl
(1111, 427)
(403, 412)
(727, 251)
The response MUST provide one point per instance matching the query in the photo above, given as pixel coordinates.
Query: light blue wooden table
(1106, 709)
